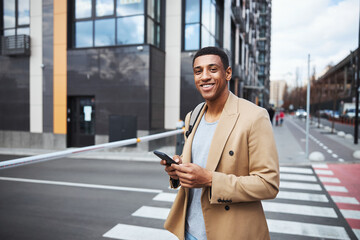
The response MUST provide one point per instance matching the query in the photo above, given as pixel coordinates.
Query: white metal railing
(74, 151)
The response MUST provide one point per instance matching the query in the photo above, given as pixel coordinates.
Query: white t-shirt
(199, 153)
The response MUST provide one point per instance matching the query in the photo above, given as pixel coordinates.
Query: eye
(213, 69)
(197, 72)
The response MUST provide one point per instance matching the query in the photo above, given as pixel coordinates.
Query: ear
(228, 73)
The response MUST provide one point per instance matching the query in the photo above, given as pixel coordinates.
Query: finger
(177, 159)
(185, 176)
(163, 162)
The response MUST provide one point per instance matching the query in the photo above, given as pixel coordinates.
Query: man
(271, 112)
(229, 162)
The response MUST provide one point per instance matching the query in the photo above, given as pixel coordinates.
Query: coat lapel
(226, 123)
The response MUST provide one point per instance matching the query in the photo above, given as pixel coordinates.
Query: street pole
(357, 89)
(308, 110)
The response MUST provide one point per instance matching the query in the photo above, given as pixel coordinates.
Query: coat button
(231, 153)
(219, 200)
(227, 208)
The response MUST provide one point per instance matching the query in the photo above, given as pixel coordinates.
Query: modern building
(83, 72)
(336, 86)
(277, 89)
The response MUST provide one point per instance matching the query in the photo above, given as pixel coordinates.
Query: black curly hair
(213, 51)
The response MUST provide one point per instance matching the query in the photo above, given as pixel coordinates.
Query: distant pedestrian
(282, 115)
(277, 118)
(271, 112)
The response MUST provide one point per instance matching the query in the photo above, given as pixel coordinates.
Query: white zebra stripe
(307, 229)
(130, 232)
(302, 196)
(299, 209)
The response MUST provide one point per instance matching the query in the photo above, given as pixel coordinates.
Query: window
(261, 45)
(202, 24)
(100, 23)
(261, 57)
(261, 70)
(262, 33)
(16, 17)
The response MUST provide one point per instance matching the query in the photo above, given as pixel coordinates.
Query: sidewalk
(288, 148)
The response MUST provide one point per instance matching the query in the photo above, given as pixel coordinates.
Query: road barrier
(75, 151)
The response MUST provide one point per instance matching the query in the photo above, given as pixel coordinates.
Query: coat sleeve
(262, 182)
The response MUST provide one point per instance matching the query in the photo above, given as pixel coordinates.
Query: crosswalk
(302, 210)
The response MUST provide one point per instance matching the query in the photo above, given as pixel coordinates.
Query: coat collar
(226, 123)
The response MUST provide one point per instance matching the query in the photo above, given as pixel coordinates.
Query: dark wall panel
(118, 78)
(47, 25)
(157, 83)
(14, 94)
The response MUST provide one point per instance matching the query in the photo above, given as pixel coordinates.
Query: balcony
(237, 13)
(17, 45)
(239, 72)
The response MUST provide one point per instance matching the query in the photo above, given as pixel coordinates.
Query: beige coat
(244, 161)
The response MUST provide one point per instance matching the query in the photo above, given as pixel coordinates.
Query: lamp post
(357, 89)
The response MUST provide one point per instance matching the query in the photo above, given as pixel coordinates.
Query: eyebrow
(210, 65)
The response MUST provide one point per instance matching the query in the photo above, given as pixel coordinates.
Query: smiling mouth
(207, 85)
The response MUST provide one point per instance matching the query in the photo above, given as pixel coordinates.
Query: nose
(205, 75)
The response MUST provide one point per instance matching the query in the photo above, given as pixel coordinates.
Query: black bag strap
(194, 116)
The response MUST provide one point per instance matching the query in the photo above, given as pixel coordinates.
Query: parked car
(350, 113)
(301, 113)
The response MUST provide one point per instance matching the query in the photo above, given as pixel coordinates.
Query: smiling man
(229, 162)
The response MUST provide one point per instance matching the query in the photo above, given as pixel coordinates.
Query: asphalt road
(85, 199)
(52, 210)
(322, 141)
(57, 205)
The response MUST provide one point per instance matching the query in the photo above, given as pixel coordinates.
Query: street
(82, 198)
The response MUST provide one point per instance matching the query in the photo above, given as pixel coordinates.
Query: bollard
(179, 138)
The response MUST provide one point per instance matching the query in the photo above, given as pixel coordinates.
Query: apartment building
(82, 72)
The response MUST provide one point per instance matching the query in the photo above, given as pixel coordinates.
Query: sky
(326, 29)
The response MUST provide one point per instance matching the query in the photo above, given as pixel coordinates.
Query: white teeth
(206, 86)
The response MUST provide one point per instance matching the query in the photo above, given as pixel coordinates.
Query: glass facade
(100, 23)
(16, 17)
(202, 24)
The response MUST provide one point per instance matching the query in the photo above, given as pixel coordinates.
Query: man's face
(210, 76)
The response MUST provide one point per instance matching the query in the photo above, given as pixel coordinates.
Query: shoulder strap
(193, 117)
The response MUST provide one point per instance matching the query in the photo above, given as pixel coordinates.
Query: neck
(215, 108)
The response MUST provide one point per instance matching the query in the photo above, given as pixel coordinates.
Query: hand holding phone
(165, 157)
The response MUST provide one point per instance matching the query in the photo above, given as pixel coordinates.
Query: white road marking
(83, 185)
(165, 197)
(304, 186)
(331, 188)
(298, 177)
(349, 200)
(299, 209)
(324, 172)
(353, 214)
(130, 232)
(296, 170)
(329, 180)
(302, 196)
(152, 212)
(357, 233)
(307, 229)
(320, 165)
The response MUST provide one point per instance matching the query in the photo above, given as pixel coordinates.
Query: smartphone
(165, 157)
